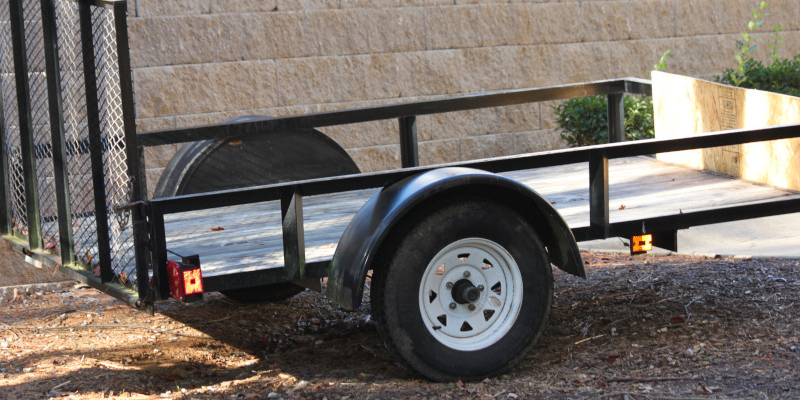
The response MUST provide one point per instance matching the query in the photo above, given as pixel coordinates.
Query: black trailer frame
(73, 168)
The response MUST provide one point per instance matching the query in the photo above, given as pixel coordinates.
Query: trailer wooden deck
(247, 238)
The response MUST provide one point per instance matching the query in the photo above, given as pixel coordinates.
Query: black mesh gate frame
(67, 113)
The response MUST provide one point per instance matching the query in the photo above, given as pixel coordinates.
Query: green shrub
(781, 76)
(584, 121)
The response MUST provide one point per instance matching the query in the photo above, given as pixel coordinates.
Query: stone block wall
(202, 61)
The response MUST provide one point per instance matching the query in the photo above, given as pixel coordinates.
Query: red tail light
(185, 280)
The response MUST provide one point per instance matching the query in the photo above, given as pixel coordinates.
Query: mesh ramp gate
(67, 117)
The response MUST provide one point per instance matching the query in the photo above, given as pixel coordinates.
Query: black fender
(364, 236)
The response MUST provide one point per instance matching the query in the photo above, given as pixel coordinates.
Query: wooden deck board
(250, 237)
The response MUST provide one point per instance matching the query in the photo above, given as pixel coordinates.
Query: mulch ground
(640, 327)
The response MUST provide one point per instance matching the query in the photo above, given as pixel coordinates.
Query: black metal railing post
(158, 251)
(294, 248)
(25, 124)
(5, 187)
(57, 131)
(134, 154)
(409, 151)
(598, 195)
(616, 118)
(95, 141)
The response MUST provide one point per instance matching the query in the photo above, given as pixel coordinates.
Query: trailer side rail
(291, 194)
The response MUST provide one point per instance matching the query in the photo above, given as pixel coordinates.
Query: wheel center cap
(465, 292)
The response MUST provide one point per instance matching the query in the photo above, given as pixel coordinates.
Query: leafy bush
(781, 76)
(584, 121)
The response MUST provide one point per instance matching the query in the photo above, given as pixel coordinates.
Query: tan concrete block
(453, 27)
(154, 124)
(155, 8)
(477, 147)
(184, 121)
(394, 30)
(216, 38)
(152, 175)
(636, 57)
(190, 39)
(548, 65)
(421, 3)
(581, 62)
(693, 57)
(439, 152)
(617, 20)
(337, 32)
(507, 24)
(479, 122)
(203, 88)
(431, 72)
(309, 80)
(246, 6)
(703, 17)
(546, 108)
(284, 32)
(369, 3)
(365, 134)
(159, 156)
(791, 44)
(557, 22)
(488, 68)
(784, 12)
(535, 66)
(371, 76)
(307, 4)
(535, 141)
(371, 159)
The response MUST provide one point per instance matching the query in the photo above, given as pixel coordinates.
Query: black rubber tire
(264, 294)
(397, 282)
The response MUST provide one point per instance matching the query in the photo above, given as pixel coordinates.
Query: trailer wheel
(211, 165)
(465, 292)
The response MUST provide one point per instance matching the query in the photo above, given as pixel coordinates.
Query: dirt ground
(640, 327)
(14, 270)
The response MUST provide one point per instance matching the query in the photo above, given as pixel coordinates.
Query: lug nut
(466, 274)
(471, 307)
(453, 306)
(449, 285)
(480, 287)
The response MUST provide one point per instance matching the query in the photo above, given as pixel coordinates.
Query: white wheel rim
(477, 325)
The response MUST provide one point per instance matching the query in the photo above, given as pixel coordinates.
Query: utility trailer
(258, 208)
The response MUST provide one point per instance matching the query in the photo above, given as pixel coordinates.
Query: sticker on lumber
(686, 106)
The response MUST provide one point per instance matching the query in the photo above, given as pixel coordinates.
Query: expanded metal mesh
(76, 133)
(117, 180)
(76, 124)
(40, 118)
(11, 138)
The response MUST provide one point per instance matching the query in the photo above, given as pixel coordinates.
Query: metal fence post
(598, 195)
(409, 153)
(134, 154)
(5, 187)
(616, 118)
(25, 124)
(60, 171)
(95, 142)
(294, 247)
